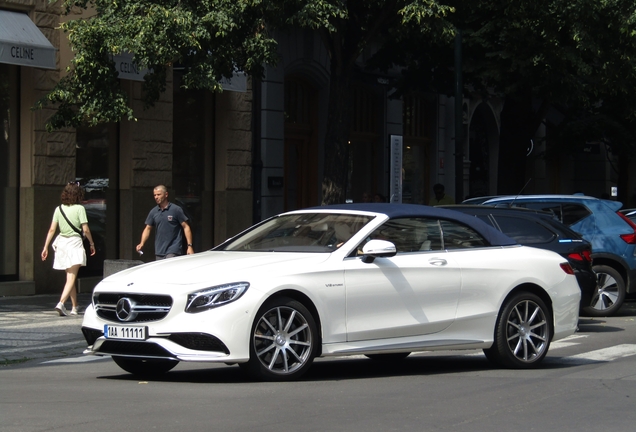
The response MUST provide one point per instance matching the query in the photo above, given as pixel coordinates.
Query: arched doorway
(301, 146)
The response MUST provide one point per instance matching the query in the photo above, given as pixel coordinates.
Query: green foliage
(210, 39)
(576, 55)
(571, 52)
(357, 25)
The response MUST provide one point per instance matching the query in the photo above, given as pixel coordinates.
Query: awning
(22, 43)
(238, 83)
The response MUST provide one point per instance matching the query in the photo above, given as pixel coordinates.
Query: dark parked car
(613, 238)
(541, 230)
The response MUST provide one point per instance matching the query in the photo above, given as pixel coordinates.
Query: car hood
(214, 267)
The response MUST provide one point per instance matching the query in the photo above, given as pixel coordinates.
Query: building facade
(293, 116)
(230, 159)
(197, 144)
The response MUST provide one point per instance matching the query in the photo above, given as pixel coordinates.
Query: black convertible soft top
(394, 211)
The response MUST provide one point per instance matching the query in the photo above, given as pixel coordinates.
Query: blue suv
(612, 235)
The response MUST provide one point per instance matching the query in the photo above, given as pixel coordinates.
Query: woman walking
(68, 246)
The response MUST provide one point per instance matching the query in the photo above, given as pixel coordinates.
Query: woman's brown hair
(72, 194)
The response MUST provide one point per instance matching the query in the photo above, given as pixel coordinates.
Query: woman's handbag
(85, 241)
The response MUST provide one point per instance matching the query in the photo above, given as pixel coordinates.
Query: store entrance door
(301, 187)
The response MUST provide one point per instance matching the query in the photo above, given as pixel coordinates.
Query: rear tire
(145, 367)
(609, 294)
(522, 333)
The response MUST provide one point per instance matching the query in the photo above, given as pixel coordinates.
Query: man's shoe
(61, 309)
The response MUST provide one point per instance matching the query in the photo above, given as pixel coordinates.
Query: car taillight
(631, 237)
(585, 255)
(575, 256)
(567, 268)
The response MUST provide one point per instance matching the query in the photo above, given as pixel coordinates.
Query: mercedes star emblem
(124, 309)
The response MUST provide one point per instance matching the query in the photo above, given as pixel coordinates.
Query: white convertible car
(382, 280)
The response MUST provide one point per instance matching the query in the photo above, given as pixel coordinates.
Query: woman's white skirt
(69, 251)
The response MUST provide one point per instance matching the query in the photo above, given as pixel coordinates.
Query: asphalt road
(587, 383)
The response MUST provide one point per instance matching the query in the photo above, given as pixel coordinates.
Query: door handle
(437, 262)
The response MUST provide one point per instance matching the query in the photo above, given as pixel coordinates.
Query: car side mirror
(377, 249)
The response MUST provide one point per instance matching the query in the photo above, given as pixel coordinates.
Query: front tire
(145, 367)
(522, 333)
(609, 294)
(283, 341)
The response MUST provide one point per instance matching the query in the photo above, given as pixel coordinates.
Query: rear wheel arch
(523, 330)
(616, 265)
(536, 290)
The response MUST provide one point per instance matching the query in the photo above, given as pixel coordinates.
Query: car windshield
(304, 232)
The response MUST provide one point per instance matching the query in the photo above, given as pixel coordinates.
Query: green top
(75, 213)
(446, 199)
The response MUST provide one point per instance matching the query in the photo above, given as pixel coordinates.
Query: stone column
(233, 164)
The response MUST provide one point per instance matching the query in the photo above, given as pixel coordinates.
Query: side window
(567, 213)
(524, 231)
(409, 234)
(457, 236)
(553, 208)
(572, 213)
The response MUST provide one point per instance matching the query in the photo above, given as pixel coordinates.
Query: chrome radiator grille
(128, 307)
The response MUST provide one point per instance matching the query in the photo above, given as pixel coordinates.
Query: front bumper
(217, 335)
(202, 347)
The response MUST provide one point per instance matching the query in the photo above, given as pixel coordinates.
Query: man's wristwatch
(189, 245)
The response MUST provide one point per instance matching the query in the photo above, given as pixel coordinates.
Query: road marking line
(566, 342)
(602, 355)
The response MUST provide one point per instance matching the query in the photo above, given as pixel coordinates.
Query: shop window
(93, 154)
(8, 172)
(190, 133)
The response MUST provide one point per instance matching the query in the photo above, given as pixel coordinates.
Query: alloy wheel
(283, 340)
(527, 331)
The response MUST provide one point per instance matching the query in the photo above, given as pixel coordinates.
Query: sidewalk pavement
(31, 329)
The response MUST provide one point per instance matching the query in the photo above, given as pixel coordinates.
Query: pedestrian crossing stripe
(568, 341)
(601, 355)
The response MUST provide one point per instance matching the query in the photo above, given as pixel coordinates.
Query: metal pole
(459, 121)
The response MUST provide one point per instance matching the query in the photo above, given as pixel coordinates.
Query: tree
(211, 39)
(567, 54)
(576, 55)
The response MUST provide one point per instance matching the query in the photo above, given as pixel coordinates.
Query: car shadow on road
(329, 370)
(596, 325)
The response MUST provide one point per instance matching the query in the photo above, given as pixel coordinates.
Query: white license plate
(125, 332)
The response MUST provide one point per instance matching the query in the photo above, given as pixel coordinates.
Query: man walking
(171, 223)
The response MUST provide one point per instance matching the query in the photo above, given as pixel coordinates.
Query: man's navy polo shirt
(169, 232)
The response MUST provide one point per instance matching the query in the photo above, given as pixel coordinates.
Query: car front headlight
(210, 298)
